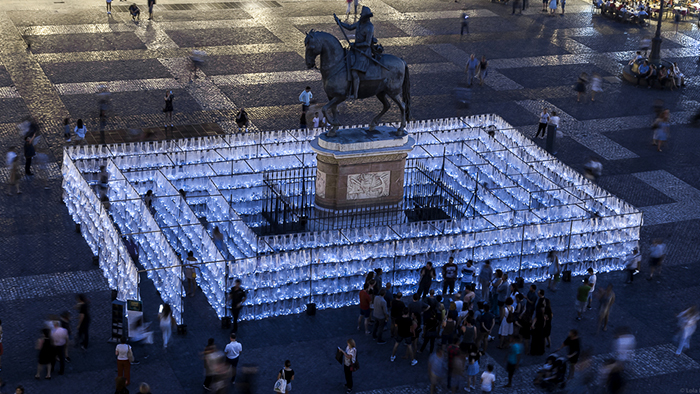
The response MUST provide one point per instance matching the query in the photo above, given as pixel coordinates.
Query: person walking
(662, 128)
(83, 320)
(29, 153)
(305, 97)
(554, 270)
(151, 3)
(580, 86)
(109, 7)
(80, 132)
(472, 63)
(65, 323)
(59, 339)
(46, 354)
(592, 279)
(13, 169)
(144, 388)
(483, 71)
(380, 315)
(432, 323)
(124, 358)
(286, 373)
(607, 299)
(404, 333)
(573, 343)
(485, 275)
(242, 120)
(427, 275)
(120, 386)
(212, 357)
(544, 119)
(349, 360)
(66, 129)
(237, 296)
(233, 352)
(168, 110)
(515, 351)
(365, 301)
(166, 324)
(436, 369)
(688, 322)
(190, 272)
(465, 24)
(582, 298)
(449, 276)
(596, 81)
(632, 264)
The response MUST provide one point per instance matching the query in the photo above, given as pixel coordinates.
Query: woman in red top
(365, 300)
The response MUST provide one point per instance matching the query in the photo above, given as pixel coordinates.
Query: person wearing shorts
(404, 333)
(151, 3)
(582, 298)
(365, 310)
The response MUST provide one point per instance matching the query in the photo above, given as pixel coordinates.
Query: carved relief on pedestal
(321, 184)
(368, 185)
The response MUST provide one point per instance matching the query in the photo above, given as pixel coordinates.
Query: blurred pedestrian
(83, 320)
(624, 345)
(109, 7)
(66, 129)
(347, 11)
(380, 315)
(349, 360)
(472, 63)
(554, 270)
(46, 354)
(580, 86)
(65, 323)
(596, 84)
(436, 369)
(29, 153)
(465, 24)
(513, 359)
(197, 57)
(246, 383)
(483, 70)
(657, 253)
(168, 109)
(144, 388)
(151, 3)
(485, 275)
(166, 323)
(80, 132)
(688, 322)
(573, 343)
(13, 169)
(287, 373)
(662, 128)
(302, 120)
(632, 264)
(607, 299)
(593, 169)
(211, 356)
(237, 296)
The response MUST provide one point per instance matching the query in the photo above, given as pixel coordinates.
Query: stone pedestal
(360, 168)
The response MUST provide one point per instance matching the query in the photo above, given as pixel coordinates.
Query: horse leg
(332, 119)
(382, 97)
(402, 107)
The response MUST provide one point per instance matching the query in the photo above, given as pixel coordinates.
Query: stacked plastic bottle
(523, 203)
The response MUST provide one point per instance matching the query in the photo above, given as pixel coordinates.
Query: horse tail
(406, 94)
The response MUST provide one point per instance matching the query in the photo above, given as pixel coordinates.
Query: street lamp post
(655, 56)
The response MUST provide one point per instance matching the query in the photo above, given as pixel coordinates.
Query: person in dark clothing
(396, 311)
(427, 274)
(574, 344)
(151, 3)
(237, 297)
(302, 120)
(29, 152)
(83, 320)
(242, 119)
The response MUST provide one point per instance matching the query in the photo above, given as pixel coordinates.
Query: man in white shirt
(657, 252)
(305, 98)
(233, 352)
(59, 338)
(591, 282)
(542, 127)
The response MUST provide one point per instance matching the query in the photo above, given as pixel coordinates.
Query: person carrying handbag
(350, 363)
(124, 359)
(284, 378)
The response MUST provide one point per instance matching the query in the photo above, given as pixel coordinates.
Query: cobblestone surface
(256, 61)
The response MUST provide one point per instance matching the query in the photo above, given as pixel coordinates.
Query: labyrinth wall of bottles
(523, 203)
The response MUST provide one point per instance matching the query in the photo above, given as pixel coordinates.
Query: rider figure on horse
(364, 38)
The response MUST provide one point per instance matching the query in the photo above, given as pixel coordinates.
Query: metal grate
(230, 5)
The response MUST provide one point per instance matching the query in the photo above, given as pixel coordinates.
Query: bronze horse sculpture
(393, 81)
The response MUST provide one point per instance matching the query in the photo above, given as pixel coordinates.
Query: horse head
(313, 48)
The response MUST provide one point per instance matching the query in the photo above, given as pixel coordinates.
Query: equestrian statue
(358, 72)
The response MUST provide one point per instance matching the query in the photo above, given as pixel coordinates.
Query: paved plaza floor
(54, 55)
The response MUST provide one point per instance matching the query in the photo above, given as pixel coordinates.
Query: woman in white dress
(506, 328)
(554, 271)
(552, 7)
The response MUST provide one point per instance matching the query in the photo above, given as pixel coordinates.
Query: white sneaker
(393, 358)
(414, 362)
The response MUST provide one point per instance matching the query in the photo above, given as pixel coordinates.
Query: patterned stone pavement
(256, 61)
